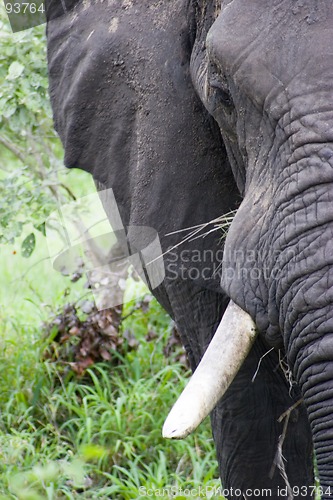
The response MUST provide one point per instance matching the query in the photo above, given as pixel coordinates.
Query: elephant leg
(247, 433)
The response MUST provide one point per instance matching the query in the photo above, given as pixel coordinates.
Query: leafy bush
(30, 152)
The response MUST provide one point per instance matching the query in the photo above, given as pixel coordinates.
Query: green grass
(99, 436)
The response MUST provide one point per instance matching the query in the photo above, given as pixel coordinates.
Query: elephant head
(125, 81)
(264, 71)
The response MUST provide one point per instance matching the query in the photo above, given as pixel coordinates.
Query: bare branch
(13, 149)
(287, 412)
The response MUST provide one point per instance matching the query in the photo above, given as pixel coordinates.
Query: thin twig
(189, 237)
(22, 276)
(279, 458)
(286, 371)
(69, 191)
(13, 149)
(259, 363)
(288, 412)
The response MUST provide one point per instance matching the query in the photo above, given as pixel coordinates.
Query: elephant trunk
(310, 353)
(314, 368)
(303, 293)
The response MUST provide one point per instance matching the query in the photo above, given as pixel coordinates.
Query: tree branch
(13, 149)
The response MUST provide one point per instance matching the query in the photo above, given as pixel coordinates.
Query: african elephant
(191, 109)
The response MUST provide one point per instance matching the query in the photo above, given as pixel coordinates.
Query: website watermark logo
(81, 235)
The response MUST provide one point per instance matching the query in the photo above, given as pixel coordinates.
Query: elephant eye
(222, 93)
(219, 86)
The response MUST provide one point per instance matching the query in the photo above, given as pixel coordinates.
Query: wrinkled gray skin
(125, 82)
(270, 88)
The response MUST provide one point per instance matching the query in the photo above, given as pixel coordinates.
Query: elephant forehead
(277, 43)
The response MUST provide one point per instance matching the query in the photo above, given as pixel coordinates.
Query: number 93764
(24, 8)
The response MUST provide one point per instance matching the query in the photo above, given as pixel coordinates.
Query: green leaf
(15, 70)
(28, 245)
(93, 452)
(41, 227)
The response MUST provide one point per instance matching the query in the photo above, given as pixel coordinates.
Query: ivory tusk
(224, 356)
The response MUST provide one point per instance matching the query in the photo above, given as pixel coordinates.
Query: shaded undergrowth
(97, 435)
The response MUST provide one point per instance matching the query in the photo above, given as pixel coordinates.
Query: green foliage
(23, 76)
(99, 436)
(30, 152)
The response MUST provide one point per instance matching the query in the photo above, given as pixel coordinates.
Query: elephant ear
(94, 105)
(121, 93)
(126, 111)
